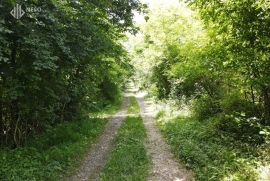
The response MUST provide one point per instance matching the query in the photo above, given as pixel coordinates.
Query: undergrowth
(53, 154)
(109, 108)
(212, 154)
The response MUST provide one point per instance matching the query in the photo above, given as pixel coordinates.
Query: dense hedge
(213, 55)
(56, 61)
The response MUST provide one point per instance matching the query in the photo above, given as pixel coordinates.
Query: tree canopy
(56, 61)
(213, 55)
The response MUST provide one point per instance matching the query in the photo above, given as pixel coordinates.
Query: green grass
(53, 154)
(210, 153)
(110, 108)
(128, 160)
(134, 107)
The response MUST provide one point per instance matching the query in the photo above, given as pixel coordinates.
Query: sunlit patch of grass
(134, 107)
(210, 153)
(128, 160)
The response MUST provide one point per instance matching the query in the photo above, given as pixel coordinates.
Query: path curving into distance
(164, 166)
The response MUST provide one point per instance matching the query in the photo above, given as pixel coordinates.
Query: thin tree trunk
(1, 123)
(266, 100)
(252, 94)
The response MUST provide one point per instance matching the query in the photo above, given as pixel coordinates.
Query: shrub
(242, 127)
(205, 107)
(211, 154)
(234, 102)
(52, 154)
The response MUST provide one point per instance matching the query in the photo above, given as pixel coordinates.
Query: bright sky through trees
(154, 4)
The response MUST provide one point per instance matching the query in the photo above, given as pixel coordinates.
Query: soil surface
(164, 166)
(100, 151)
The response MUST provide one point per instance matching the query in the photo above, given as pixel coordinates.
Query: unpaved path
(99, 153)
(164, 167)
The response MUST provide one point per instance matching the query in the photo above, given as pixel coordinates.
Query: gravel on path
(164, 166)
(99, 152)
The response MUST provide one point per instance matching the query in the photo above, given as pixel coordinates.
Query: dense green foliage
(219, 65)
(128, 160)
(241, 31)
(53, 154)
(68, 60)
(58, 61)
(211, 56)
(211, 153)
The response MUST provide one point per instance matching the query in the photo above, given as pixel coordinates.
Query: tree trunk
(266, 100)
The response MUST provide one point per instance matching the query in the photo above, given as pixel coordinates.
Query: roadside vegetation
(211, 57)
(53, 154)
(60, 62)
(108, 109)
(129, 160)
(63, 68)
(59, 66)
(211, 153)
